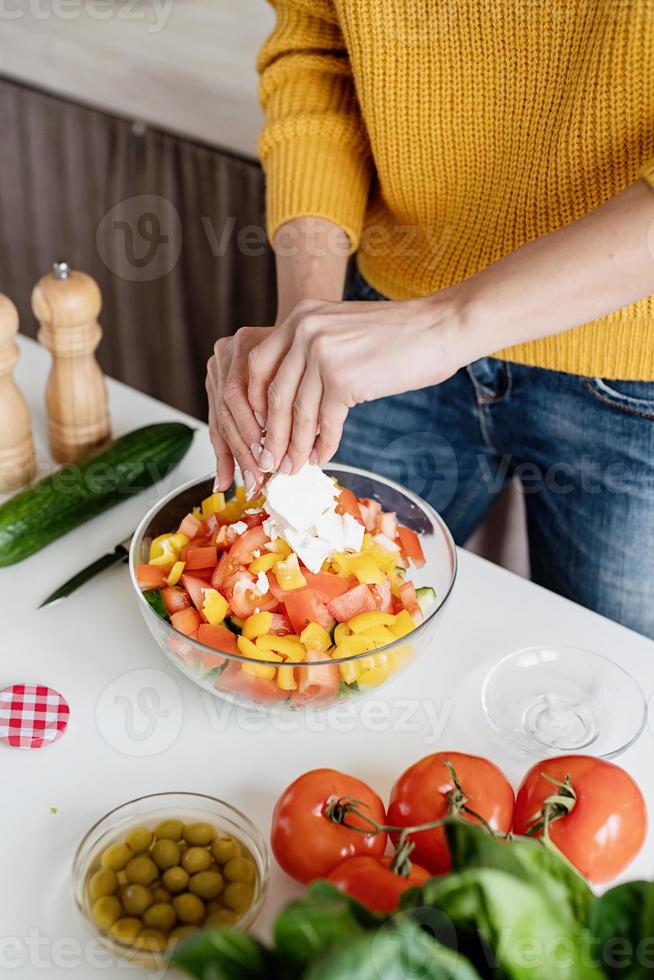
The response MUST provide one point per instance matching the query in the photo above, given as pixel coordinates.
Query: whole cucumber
(78, 491)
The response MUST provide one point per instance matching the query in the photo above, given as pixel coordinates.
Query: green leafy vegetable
(224, 955)
(622, 922)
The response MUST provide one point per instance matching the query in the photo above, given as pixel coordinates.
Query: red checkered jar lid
(32, 716)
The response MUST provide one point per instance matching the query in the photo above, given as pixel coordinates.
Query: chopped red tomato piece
(225, 537)
(253, 519)
(247, 543)
(201, 557)
(243, 596)
(235, 680)
(280, 625)
(316, 683)
(357, 600)
(217, 637)
(175, 599)
(196, 588)
(346, 503)
(410, 544)
(387, 524)
(184, 650)
(370, 511)
(225, 568)
(189, 526)
(151, 576)
(329, 586)
(304, 606)
(383, 596)
(410, 602)
(201, 541)
(187, 621)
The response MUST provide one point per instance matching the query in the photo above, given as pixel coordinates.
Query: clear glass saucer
(549, 701)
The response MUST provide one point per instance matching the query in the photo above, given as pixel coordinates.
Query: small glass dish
(148, 811)
(548, 701)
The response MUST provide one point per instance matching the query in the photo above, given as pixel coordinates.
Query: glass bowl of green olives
(159, 868)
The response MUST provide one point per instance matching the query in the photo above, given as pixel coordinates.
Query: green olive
(189, 908)
(196, 859)
(175, 879)
(139, 839)
(103, 882)
(221, 917)
(126, 930)
(224, 849)
(206, 884)
(238, 896)
(136, 898)
(115, 857)
(151, 939)
(166, 854)
(160, 894)
(161, 915)
(198, 834)
(141, 870)
(106, 910)
(169, 829)
(239, 869)
(181, 932)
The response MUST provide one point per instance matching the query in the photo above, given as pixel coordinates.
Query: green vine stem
(555, 806)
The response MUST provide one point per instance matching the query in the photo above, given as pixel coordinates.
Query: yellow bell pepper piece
(215, 606)
(266, 671)
(341, 630)
(264, 563)
(290, 646)
(396, 578)
(279, 547)
(400, 655)
(340, 562)
(239, 494)
(380, 635)
(374, 677)
(288, 573)
(176, 572)
(248, 649)
(233, 511)
(351, 646)
(367, 620)
(383, 558)
(165, 549)
(286, 679)
(316, 637)
(366, 569)
(213, 504)
(197, 513)
(402, 626)
(257, 625)
(349, 671)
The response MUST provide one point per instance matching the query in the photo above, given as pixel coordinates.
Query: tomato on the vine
(306, 842)
(427, 792)
(599, 822)
(371, 881)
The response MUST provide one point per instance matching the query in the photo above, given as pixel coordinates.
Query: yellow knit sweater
(443, 134)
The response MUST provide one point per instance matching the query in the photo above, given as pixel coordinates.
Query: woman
(492, 167)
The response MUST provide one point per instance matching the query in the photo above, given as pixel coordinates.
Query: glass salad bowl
(325, 680)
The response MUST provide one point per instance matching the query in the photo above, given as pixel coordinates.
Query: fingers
(236, 399)
(281, 396)
(333, 414)
(225, 430)
(224, 458)
(263, 361)
(305, 417)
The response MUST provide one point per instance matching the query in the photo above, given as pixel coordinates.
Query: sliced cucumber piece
(426, 597)
(231, 625)
(153, 598)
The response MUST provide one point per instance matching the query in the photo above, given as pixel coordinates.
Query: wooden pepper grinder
(17, 459)
(66, 303)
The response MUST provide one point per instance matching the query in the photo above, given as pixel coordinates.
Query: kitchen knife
(120, 553)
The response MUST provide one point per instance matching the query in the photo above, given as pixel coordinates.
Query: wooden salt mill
(66, 303)
(17, 459)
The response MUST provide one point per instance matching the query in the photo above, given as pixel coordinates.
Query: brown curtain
(172, 231)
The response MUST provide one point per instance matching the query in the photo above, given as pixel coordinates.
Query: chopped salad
(229, 578)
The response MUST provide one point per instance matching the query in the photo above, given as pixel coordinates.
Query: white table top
(86, 647)
(187, 66)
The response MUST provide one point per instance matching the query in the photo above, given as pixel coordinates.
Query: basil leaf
(224, 954)
(532, 937)
(530, 860)
(622, 921)
(395, 950)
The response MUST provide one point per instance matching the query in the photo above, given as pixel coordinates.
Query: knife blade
(120, 553)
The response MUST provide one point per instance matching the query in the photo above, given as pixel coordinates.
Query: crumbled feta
(263, 585)
(256, 553)
(240, 527)
(302, 510)
(385, 542)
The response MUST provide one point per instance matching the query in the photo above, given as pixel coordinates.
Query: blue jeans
(583, 449)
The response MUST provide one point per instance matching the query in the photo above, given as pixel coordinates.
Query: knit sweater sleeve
(646, 172)
(314, 147)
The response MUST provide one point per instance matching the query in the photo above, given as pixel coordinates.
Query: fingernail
(260, 419)
(256, 449)
(286, 465)
(313, 458)
(267, 461)
(216, 484)
(249, 482)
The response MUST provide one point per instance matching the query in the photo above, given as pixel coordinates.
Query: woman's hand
(234, 429)
(327, 357)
